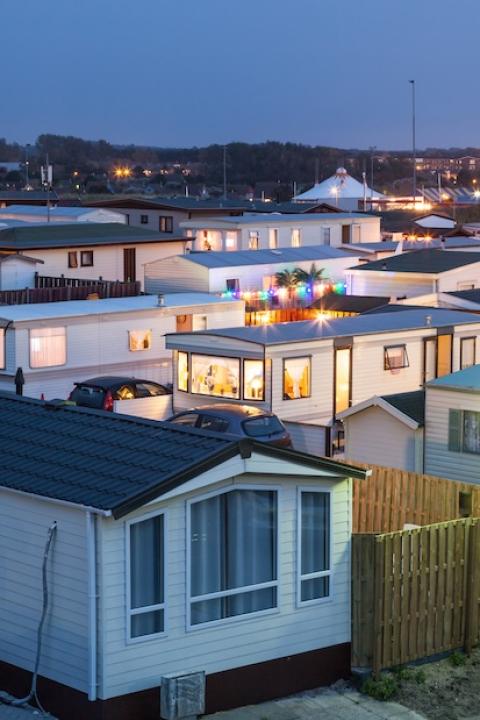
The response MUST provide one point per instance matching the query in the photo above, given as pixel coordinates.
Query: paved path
(322, 704)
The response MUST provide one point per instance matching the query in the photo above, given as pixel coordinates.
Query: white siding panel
(374, 436)
(307, 437)
(24, 523)
(247, 640)
(438, 459)
(387, 284)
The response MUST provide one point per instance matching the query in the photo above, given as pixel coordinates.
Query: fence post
(378, 585)
(472, 586)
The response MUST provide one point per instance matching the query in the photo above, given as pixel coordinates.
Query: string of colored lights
(282, 293)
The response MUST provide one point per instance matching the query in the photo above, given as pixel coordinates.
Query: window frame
(144, 219)
(3, 349)
(179, 389)
(321, 573)
(226, 357)
(297, 357)
(259, 399)
(41, 367)
(296, 233)
(462, 340)
(254, 238)
(129, 611)
(70, 255)
(275, 488)
(82, 255)
(148, 332)
(463, 449)
(165, 223)
(406, 362)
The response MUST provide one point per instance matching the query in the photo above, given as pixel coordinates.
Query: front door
(129, 265)
(343, 378)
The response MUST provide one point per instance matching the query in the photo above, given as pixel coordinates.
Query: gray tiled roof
(51, 235)
(369, 323)
(235, 258)
(422, 261)
(411, 404)
(110, 462)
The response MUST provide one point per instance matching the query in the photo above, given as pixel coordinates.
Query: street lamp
(412, 83)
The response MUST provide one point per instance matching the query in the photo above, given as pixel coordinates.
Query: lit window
(253, 240)
(182, 371)
(296, 378)
(467, 352)
(165, 223)
(86, 258)
(296, 237)
(253, 382)
(395, 357)
(199, 322)
(314, 546)
(73, 259)
(273, 238)
(139, 340)
(146, 577)
(216, 376)
(227, 577)
(231, 240)
(48, 347)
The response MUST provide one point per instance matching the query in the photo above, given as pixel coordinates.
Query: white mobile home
(40, 214)
(171, 552)
(18, 271)
(416, 273)
(89, 250)
(241, 270)
(386, 430)
(452, 426)
(59, 343)
(314, 370)
(269, 232)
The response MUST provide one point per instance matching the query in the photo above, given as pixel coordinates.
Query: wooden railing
(415, 593)
(51, 289)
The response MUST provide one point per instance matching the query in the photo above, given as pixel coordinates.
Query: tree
(308, 277)
(286, 279)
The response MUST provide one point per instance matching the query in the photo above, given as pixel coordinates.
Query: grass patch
(383, 688)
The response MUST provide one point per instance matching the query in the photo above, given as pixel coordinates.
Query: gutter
(92, 604)
(57, 501)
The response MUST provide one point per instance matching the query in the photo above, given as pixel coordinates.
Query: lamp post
(412, 83)
(27, 163)
(372, 149)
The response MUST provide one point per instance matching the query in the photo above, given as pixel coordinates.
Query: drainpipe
(92, 606)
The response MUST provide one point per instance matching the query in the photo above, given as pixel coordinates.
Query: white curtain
(315, 543)
(233, 540)
(147, 574)
(48, 347)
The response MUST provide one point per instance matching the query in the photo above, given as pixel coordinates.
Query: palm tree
(286, 279)
(308, 277)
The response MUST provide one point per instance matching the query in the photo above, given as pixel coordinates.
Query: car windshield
(264, 425)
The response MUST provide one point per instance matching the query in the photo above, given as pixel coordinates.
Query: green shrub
(420, 677)
(383, 688)
(457, 658)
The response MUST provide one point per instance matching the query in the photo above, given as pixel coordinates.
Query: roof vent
(428, 320)
(161, 300)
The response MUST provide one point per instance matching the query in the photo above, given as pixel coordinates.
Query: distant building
(27, 197)
(342, 190)
(40, 214)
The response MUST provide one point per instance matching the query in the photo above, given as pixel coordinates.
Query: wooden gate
(415, 593)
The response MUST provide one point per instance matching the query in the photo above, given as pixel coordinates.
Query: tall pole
(414, 152)
(372, 158)
(225, 172)
(27, 179)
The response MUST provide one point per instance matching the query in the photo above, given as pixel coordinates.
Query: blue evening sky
(194, 72)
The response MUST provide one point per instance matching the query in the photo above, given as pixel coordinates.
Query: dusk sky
(186, 72)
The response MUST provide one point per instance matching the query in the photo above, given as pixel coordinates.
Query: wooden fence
(66, 291)
(415, 593)
(389, 498)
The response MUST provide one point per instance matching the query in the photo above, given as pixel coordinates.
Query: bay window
(48, 347)
(232, 555)
(215, 376)
(296, 378)
(253, 383)
(314, 546)
(146, 577)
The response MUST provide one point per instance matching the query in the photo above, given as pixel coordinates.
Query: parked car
(101, 392)
(243, 420)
